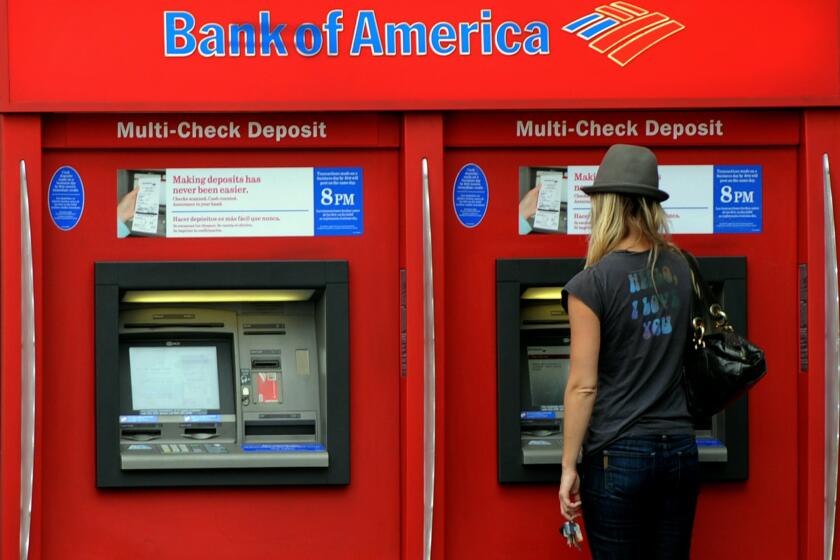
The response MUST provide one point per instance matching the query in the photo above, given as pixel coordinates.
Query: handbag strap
(704, 304)
(701, 294)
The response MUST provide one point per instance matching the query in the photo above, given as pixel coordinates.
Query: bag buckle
(699, 331)
(719, 317)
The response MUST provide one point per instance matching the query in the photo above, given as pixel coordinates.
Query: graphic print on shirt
(654, 301)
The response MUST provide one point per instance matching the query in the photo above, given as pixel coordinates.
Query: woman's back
(644, 325)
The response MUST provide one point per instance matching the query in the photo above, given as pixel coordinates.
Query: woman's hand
(570, 503)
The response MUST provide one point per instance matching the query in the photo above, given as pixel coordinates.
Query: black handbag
(719, 365)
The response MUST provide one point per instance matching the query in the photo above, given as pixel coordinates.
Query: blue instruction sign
(338, 201)
(470, 195)
(66, 198)
(737, 199)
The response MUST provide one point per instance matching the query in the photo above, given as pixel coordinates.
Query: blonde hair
(615, 216)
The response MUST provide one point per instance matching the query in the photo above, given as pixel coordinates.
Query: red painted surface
(489, 520)
(73, 56)
(820, 136)
(361, 520)
(19, 140)
(422, 138)
(4, 60)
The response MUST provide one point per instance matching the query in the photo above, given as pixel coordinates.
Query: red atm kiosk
(494, 270)
(320, 326)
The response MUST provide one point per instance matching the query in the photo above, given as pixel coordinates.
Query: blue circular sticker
(470, 195)
(66, 198)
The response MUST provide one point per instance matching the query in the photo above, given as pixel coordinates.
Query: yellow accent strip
(550, 292)
(214, 296)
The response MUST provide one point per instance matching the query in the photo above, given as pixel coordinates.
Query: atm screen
(177, 376)
(174, 377)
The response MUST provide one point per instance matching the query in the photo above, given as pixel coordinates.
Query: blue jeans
(639, 495)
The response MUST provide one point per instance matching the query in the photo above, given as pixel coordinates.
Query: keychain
(571, 532)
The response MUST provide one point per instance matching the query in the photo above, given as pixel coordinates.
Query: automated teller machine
(533, 344)
(222, 373)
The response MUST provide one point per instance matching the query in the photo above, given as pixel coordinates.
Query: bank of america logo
(623, 31)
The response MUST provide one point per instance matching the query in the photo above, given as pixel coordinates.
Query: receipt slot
(222, 373)
(533, 346)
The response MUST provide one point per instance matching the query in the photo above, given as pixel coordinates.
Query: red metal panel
(489, 520)
(73, 56)
(19, 140)
(820, 136)
(5, 83)
(422, 137)
(10, 353)
(361, 520)
(411, 386)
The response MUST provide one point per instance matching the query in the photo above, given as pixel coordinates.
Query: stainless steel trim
(27, 368)
(429, 371)
(832, 366)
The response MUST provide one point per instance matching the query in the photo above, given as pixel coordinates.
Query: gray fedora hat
(630, 170)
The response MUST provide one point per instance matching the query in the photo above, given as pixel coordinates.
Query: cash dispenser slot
(533, 343)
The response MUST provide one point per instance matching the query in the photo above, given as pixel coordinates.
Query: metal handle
(27, 368)
(429, 371)
(832, 366)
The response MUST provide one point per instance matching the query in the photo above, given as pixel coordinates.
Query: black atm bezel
(512, 275)
(114, 278)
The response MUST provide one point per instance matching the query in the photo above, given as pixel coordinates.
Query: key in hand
(572, 533)
(578, 536)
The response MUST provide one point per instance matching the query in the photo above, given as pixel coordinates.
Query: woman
(629, 312)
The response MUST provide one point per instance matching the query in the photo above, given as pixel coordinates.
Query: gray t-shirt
(644, 326)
